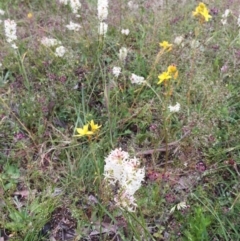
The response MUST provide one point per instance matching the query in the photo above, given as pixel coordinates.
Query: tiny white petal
(75, 5)
(181, 205)
(49, 42)
(135, 79)
(60, 51)
(178, 40)
(14, 46)
(116, 71)
(125, 31)
(194, 44)
(73, 26)
(173, 209)
(132, 5)
(174, 108)
(224, 21)
(226, 13)
(65, 2)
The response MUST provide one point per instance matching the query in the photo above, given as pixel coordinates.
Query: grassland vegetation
(119, 120)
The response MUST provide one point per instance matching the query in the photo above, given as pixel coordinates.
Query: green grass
(52, 183)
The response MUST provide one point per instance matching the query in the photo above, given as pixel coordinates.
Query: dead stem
(163, 148)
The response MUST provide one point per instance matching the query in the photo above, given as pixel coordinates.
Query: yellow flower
(163, 77)
(30, 15)
(88, 129)
(94, 127)
(202, 13)
(173, 71)
(166, 46)
(84, 131)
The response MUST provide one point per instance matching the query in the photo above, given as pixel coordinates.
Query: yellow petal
(94, 127)
(165, 45)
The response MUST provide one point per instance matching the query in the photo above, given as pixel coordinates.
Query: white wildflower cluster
(10, 28)
(102, 16)
(1, 13)
(49, 42)
(135, 79)
(195, 44)
(116, 71)
(179, 40)
(65, 2)
(123, 54)
(74, 4)
(73, 26)
(125, 31)
(132, 5)
(238, 21)
(60, 51)
(125, 172)
(102, 10)
(174, 108)
(102, 28)
(225, 16)
(52, 42)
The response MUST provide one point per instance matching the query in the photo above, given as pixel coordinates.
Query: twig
(162, 148)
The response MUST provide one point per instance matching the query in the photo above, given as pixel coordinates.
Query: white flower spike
(125, 31)
(116, 71)
(60, 51)
(102, 10)
(73, 26)
(10, 28)
(135, 79)
(49, 42)
(102, 29)
(123, 54)
(125, 171)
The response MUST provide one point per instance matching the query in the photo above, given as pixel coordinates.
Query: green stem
(154, 92)
(143, 226)
(96, 166)
(23, 71)
(166, 124)
(166, 142)
(238, 196)
(83, 103)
